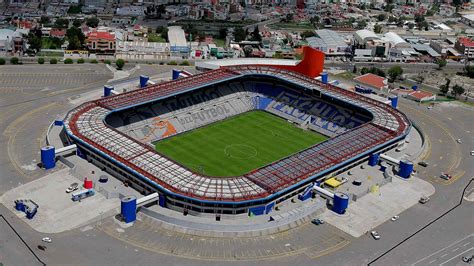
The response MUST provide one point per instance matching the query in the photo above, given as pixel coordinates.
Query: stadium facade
(115, 133)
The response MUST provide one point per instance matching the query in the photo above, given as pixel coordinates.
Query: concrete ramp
(374, 209)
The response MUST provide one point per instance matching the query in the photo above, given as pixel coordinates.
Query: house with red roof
(375, 83)
(421, 96)
(101, 42)
(58, 33)
(465, 46)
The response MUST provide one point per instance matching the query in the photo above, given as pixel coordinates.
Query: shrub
(53, 61)
(162, 63)
(80, 61)
(41, 60)
(93, 61)
(107, 62)
(14, 60)
(68, 61)
(120, 63)
(172, 63)
(184, 63)
(2, 61)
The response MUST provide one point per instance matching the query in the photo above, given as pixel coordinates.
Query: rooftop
(101, 35)
(466, 41)
(371, 80)
(420, 94)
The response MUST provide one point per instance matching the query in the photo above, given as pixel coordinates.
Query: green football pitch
(238, 145)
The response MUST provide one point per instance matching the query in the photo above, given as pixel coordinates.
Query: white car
(47, 239)
(72, 187)
(458, 141)
(375, 235)
(394, 218)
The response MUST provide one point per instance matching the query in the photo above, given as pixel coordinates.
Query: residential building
(101, 42)
(421, 96)
(375, 83)
(465, 46)
(468, 19)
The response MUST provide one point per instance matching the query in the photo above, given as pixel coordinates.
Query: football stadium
(238, 139)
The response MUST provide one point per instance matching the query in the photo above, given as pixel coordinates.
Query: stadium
(238, 139)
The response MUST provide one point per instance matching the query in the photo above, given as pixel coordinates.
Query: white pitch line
(466, 244)
(456, 256)
(422, 259)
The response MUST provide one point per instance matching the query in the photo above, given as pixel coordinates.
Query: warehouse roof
(366, 35)
(394, 38)
(330, 38)
(176, 36)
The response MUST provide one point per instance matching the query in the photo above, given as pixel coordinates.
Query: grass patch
(155, 37)
(238, 145)
(219, 42)
(346, 75)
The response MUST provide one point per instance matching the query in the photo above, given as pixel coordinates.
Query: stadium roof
(86, 125)
(176, 36)
(215, 64)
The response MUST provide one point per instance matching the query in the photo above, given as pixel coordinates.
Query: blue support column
(406, 168)
(58, 122)
(128, 209)
(48, 157)
(108, 90)
(175, 74)
(143, 81)
(324, 77)
(393, 101)
(340, 203)
(374, 159)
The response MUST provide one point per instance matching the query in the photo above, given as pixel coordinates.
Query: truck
(85, 193)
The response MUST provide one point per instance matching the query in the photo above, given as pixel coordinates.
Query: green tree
(184, 63)
(160, 29)
(222, 33)
(14, 61)
(75, 38)
(256, 35)
(34, 41)
(77, 23)
(457, 90)
(307, 33)
(68, 61)
(378, 28)
(120, 63)
(107, 62)
(394, 73)
(80, 61)
(93, 61)
(61, 23)
(2, 61)
(373, 70)
(441, 63)
(164, 35)
(41, 60)
(44, 20)
(74, 9)
(381, 17)
(239, 34)
(444, 89)
(354, 70)
(53, 61)
(92, 22)
(362, 24)
(420, 79)
(469, 71)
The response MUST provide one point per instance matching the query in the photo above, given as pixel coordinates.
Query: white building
(142, 50)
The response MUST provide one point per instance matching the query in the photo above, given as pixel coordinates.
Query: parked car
(394, 218)
(424, 200)
(467, 259)
(375, 235)
(47, 239)
(357, 182)
(72, 187)
(472, 153)
(317, 221)
(459, 141)
(424, 164)
(445, 176)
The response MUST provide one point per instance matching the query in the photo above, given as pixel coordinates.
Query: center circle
(240, 151)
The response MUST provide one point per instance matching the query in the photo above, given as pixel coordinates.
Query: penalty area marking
(240, 151)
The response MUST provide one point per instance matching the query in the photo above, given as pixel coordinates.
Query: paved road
(26, 114)
(450, 254)
(408, 68)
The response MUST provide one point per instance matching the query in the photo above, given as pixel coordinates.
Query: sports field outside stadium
(238, 145)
